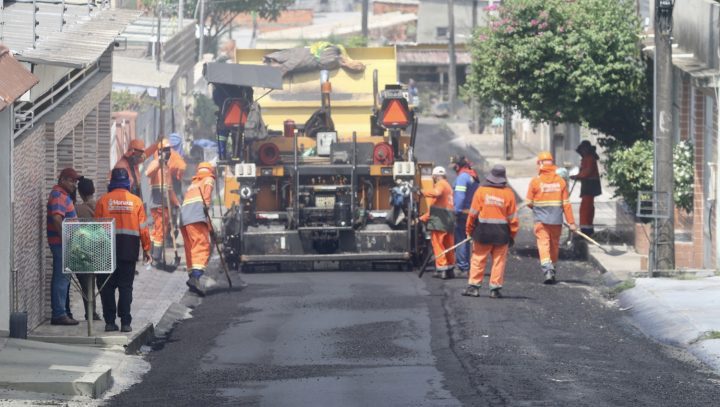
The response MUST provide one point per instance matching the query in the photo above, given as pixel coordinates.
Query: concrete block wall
(30, 199)
(76, 133)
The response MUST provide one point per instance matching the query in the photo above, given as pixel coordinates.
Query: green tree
(220, 14)
(563, 61)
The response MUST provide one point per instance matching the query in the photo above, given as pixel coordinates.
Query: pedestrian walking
(60, 206)
(86, 210)
(441, 222)
(194, 225)
(130, 232)
(493, 224)
(466, 183)
(547, 196)
(131, 161)
(590, 187)
(161, 185)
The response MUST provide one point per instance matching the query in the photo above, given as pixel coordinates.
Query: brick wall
(29, 221)
(699, 195)
(286, 19)
(77, 134)
(381, 7)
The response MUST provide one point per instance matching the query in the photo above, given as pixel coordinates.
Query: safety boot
(549, 276)
(437, 274)
(448, 274)
(495, 293)
(471, 291)
(194, 284)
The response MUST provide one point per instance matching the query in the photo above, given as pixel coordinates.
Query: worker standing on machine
(441, 222)
(194, 225)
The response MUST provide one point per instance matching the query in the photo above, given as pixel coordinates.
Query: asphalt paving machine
(330, 182)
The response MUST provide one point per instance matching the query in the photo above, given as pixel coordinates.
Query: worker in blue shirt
(466, 182)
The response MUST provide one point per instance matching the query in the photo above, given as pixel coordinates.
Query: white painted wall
(6, 226)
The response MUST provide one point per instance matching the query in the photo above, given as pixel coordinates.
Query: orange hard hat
(137, 144)
(206, 166)
(544, 156)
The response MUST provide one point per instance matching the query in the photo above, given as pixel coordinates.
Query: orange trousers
(196, 237)
(156, 235)
(480, 254)
(441, 241)
(548, 242)
(587, 211)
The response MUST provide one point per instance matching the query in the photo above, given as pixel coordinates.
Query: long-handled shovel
(170, 268)
(213, 236)
(173, 234)
(611, 252)
(431, 257)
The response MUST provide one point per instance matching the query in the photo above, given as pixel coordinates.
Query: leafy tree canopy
(565, 61)
(219, 14)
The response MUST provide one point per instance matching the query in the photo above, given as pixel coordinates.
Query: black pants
(122, 280)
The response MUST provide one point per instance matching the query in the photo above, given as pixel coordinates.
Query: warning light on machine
(395, 114)
(235, 115)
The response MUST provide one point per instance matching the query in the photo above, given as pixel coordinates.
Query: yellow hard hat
(545, 156)
(164, 143)
(206, 166)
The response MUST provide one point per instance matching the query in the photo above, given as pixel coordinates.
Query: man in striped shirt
(59, 207)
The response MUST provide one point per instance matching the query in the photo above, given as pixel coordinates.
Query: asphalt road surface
(391, 339)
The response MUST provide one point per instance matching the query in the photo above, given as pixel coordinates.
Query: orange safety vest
(197, 198)
(548, 197)
(493, 216)
(442, 210)
(130, 222)
(160, 184)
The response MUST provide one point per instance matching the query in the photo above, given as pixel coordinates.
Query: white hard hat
(438, 171)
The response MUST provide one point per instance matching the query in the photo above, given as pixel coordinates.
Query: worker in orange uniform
(548, 198)
(492, 223)
(161, 185)
(590, 187)
(441, 222)
(131, 161)
(130, 233)
(194, 225)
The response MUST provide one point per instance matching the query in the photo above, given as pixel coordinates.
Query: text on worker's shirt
(494, 201)
(550, 187)
(115, 205)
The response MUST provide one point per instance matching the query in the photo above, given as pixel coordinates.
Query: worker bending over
(492, 223)
(547, 196)
(194, 225)
(441, 222)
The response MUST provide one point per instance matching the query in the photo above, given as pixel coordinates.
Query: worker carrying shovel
(194, 225)
(161, 184)
(492, 223)
(547, 196)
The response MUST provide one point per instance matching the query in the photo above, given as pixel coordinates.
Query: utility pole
(507, 133)
(365, 11)
(159, 40)
(452, 69)
(202, 30)
(664, 230)
(475, 102)
(181, 14)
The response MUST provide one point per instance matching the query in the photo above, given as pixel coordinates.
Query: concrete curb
(142, 337)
